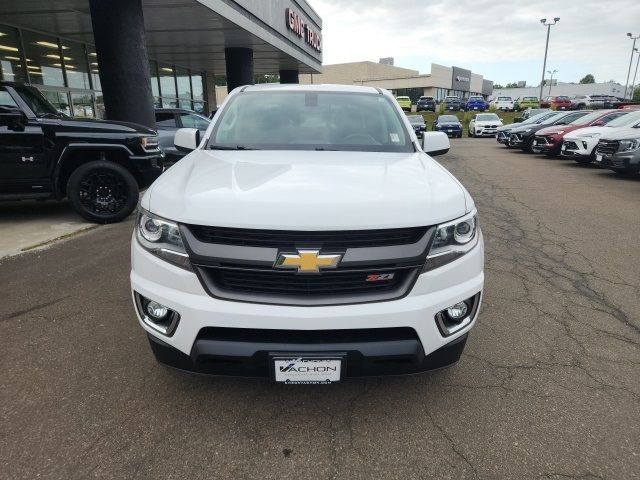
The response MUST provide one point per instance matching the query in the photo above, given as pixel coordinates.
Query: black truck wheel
(103, 191)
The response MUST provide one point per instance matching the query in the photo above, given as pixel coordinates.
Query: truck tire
(103, 191)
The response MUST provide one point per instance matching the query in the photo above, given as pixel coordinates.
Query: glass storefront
(11, 63)
(67, 74)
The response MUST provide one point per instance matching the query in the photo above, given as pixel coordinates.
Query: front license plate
(299, 370)
(598, 158)
(564, 147)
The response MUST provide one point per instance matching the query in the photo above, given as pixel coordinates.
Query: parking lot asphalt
(548, 386)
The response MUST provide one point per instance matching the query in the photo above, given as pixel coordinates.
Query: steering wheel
(353, 139)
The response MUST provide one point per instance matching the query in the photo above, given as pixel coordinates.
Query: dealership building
(439, 83)
(120, 58)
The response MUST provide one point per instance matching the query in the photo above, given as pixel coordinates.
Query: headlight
(149, 143)
(452, 240)
(590, 135)
(629, 145)
(557, 132)
(161, 238)
(528, 130)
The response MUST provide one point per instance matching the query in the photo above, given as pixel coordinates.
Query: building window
(75, 64)
(183, 80)
(82, 105)
(93, 68)
(43, 59)
(60, 100)
(11, 60)
(155, 85)
(167, 86)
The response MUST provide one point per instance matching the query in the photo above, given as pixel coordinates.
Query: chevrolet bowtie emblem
(308, 261)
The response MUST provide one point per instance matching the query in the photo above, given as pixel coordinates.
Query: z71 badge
(380, 277)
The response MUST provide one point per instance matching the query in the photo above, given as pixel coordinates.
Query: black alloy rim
(103, 192)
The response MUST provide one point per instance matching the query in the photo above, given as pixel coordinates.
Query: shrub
(492, 108)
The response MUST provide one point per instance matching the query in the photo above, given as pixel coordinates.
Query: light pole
(552, 73)
(544, 23)
(630, 62)
(633, 84)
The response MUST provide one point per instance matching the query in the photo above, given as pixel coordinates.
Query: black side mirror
(12, 118)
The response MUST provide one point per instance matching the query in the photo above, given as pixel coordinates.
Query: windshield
(403, 98)
(624, 120)
(426, 98)
(310, 120)
(448, 118)
(37, 103)
(587, 118)
(530, 99)
(416, 119)
(549, 117)
(504, 99)
(487, 117)
(476, 99)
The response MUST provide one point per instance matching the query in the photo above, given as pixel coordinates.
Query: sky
(503, 40)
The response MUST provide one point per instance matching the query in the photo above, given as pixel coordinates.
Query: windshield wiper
(228, 147)
(50, 115)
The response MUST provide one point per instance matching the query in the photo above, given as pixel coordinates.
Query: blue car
(448, 124)
(477, 103)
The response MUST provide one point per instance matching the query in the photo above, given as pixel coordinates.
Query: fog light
(156, 310)
(457, 316)
(457, 311)
(156, 316)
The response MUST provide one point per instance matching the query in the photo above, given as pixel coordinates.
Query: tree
(636, 94)
(266, 78)
(588, 78)
(497, 86)
(512, 85)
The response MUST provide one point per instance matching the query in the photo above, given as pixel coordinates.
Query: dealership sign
(297, 25)
(461, 78)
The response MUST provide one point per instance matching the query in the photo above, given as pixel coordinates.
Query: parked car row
(556, 102)
(609, 138)
(451, 103)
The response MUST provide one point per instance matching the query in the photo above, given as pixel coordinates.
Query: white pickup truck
(506, 104)
(307, 237)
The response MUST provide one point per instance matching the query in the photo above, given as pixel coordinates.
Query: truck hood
(307, 190)
(624, 133)
(91, 125)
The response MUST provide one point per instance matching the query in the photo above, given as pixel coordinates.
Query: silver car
(168, 121)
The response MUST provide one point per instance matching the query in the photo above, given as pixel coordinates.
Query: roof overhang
(190, 33)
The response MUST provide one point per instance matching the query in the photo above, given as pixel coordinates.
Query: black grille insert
(283, 283)
(307, 336)
(607, 147)
(283, 239)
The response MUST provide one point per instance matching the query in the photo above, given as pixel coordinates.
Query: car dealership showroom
(317, 239)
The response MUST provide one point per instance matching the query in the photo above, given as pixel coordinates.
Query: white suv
(504, 103)
(484, 124)
(307, 237)
(580, 144)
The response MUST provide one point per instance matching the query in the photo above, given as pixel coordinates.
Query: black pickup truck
(100, 166)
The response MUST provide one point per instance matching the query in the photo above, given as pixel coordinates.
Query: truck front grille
(239, 264)
(607, 147)
(272, 282)
(324, 239)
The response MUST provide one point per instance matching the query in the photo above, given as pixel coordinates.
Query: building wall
(476, 83)
(354, 73)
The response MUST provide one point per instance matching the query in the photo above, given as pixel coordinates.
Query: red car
(559, 102)
(549, 140)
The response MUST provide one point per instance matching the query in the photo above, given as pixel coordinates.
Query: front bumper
(503, 137)
(192, 348)
(482, 131)
(629, 163)
(575, 147)
(548, 145)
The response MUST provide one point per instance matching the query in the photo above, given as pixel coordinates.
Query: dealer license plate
(598, 158)
(297, 370)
